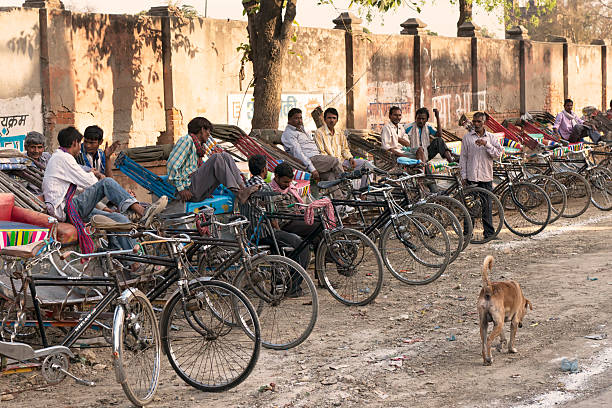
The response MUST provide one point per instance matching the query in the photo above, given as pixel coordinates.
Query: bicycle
(136, 345)
(271, 282)
(347, 262)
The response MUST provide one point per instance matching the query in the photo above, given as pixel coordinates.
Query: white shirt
(476, 162)
(390, 136)
(62, 171)
(300, 144)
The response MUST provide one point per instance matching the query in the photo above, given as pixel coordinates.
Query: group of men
(77, 183)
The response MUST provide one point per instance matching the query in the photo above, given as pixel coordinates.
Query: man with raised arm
(479, 149)
(425, 141)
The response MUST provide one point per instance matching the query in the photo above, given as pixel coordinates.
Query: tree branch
(290, 12)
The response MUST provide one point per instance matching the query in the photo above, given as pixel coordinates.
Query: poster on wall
(18, 116)
(240, 108)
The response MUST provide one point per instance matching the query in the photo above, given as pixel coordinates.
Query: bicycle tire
(472, 200)
(525, 205)
(275, 277)
(556, 193)
(578, 191)
(462, 214)
(601, 188)
(191, 330)
(415, 230)
(346, 269)
(135, 329)
(450, 223)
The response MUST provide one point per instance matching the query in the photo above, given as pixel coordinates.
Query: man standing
(479, 149)
(300, 144)
(196, 178)
(92, 156)
(425, 143)
(333, 142)
(566, 121)
(392, 135)
(64, 178)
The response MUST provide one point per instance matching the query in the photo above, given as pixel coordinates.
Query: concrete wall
(20, 86)
(544, 76)
(446, 73)
(390, 78)
(142, 78)
(499, 76)
(118, 76)
(584, 75)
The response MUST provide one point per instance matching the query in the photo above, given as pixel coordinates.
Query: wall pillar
(174, 117)
(520, 33)
(57, 76)
(604, 73)
(356, 70)
(415, 27)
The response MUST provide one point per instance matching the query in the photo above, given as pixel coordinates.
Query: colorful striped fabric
(13, 233)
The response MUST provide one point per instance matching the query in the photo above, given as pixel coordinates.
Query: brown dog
(499, 302)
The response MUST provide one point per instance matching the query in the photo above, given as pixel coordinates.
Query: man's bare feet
(244, 193)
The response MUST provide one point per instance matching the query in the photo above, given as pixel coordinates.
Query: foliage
(579, 21)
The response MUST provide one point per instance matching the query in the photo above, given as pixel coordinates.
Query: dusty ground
(398, 351)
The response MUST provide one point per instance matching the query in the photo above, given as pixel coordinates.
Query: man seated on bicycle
(196, 166)
(425, 141)
(72, 194)
(257, 229)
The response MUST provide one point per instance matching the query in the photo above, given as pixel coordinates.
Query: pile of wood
(13, 178)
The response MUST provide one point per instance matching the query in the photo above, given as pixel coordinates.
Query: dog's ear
(528, 302)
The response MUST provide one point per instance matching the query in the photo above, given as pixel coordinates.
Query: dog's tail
(486, 268)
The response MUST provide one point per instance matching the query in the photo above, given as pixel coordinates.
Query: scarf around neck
(414, 134)
(200, 149)
(289, 190)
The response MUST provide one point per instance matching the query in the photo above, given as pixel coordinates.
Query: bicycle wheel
(578, 191)
(349, 265)
(284, 297)
(475, 199)
(527, 209)
(450, 223)
(556, 193)
(601, 188)
(407, 248)
(210, 334)
(136, 347)
(462, 214)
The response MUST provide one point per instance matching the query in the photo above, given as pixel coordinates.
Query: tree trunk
(269, 36)
(465, 12)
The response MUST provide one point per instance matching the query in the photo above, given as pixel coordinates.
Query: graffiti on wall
(385, 94)
(18, 116)
(452, 106)
(240, 108)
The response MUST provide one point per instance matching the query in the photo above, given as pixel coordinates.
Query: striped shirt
(252, 212)
(476, 162)
(183, 160)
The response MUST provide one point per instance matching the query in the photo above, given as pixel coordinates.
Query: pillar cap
(600, 41)
(517, 33)
(556, 38)
(468, 29)
(46, 4)
(347, 21)
(413, 26)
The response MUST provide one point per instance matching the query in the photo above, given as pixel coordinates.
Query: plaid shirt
(257, 181)
(183, 160)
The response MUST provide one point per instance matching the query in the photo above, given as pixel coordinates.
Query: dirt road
(419, 346)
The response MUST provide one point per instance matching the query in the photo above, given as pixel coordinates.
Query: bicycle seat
(328, 184)
(23, 251)
(103, 223)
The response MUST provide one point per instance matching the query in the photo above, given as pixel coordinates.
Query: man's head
(330, 116)
(295, 118)
(421, 117)
(568, 105)
(200, 127)
(92, 139)
(70, 139)
(34, 145)
(479, 120)
(283, 175)
(258, 165)
(395, 115)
